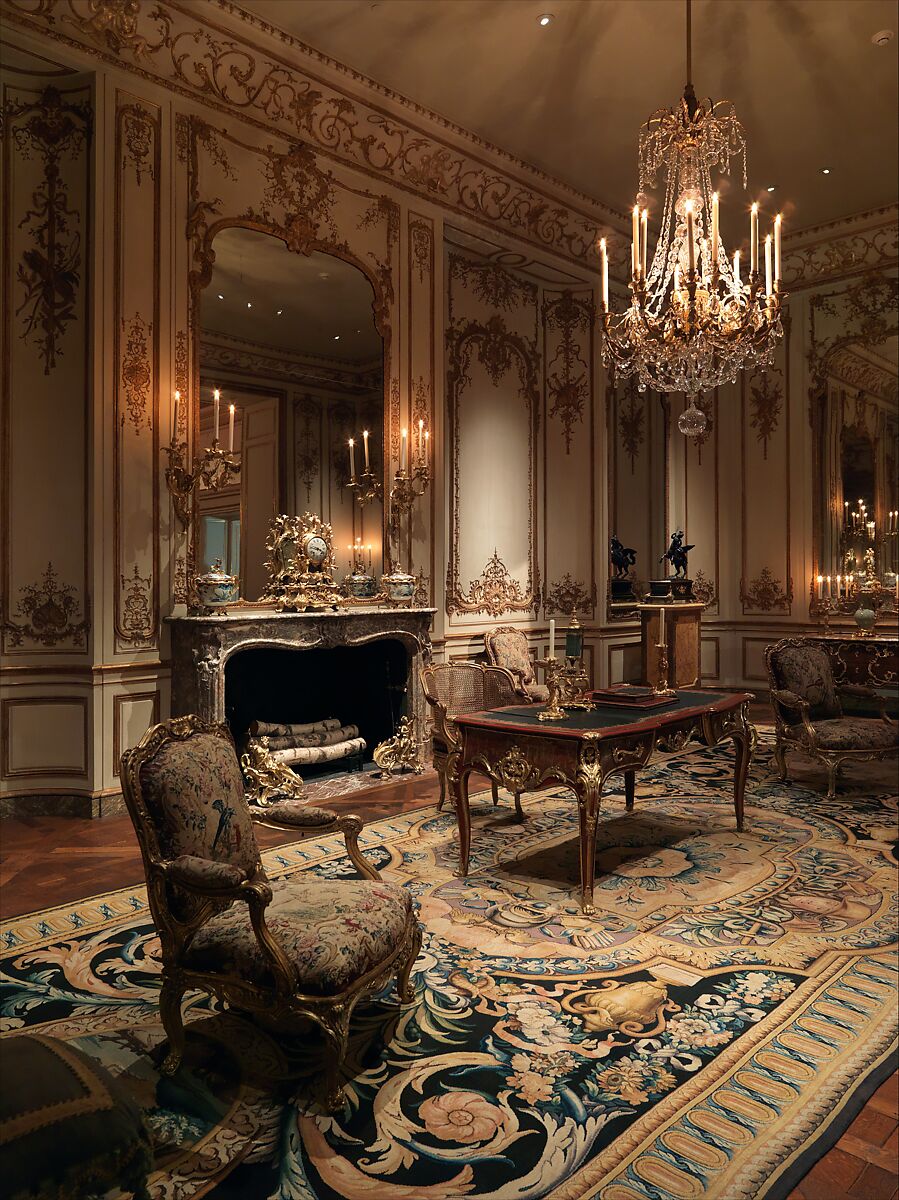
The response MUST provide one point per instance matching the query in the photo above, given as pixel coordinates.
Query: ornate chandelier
(693, 322)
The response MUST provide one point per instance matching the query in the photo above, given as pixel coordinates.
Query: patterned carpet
(709, 1032)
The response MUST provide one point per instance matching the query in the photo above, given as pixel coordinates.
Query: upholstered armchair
(301, 948)
(454, 688)
(508, 647)
(808, 715)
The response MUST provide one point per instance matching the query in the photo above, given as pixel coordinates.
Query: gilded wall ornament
(114, 24)
(570, 595)
(136, 373)
(494, 592)
(568, 380)
(493, 285)
(842, 250)
(51, 609)
(139, 133)
(180, 375)
(298, 197)
(765, 594)
(136, 624)
(765, 404)
(704, 588)
(421, 247)
(308, 451)
(630, 422)
(49, 273)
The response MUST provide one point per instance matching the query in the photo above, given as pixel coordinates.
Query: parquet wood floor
(46, 861)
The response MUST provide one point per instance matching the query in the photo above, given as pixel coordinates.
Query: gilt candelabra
(214, 469)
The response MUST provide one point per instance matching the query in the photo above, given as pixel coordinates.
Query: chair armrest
(204, 875)
(791, 701)
(293, 814)
(861, 692)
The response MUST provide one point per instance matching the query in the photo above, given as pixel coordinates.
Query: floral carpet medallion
(706, 1034)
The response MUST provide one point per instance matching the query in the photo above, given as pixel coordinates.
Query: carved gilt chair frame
(801, 734)
(498, 687)
(282, 1003)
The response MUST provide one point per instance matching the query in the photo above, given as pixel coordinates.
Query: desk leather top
(604, 721)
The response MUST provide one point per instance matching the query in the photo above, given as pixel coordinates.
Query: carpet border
(813, 1152)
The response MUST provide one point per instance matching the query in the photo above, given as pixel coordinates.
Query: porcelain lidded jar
(399, 586)
(215, 588)
(865, 615)
(359, 585)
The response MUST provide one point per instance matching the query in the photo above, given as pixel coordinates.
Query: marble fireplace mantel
(201, 647)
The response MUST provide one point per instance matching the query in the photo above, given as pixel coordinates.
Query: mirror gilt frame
(862, 314)
(290, 195)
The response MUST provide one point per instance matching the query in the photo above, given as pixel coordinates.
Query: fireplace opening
(358, 685)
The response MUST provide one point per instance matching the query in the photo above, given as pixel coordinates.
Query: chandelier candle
(605, 275)
(769, 285)
(352, 446)
(778, 221)
(176, 415)
(644, 241)
(216, 397)
(754, 239)
(403, 447)
(635, 242)
(230, 428)
(365, 446)
(714, 236)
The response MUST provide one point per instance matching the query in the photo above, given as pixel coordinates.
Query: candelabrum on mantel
(864, 597)
(215, 468)
(410, 483)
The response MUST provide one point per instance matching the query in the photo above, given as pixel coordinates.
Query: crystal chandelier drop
(694, 320)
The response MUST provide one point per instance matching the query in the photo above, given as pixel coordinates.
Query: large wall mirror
(856, 501)
(290, 341)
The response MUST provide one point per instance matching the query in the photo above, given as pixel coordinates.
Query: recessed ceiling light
(825, 170)
(545, 19)
(323, 275)
(221, 297)
(278, 313)
(772, 187)
(883, 37)
(336, 337)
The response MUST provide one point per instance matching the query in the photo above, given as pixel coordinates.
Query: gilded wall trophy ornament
(300, 564)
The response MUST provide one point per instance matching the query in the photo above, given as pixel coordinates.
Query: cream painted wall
(498, 354)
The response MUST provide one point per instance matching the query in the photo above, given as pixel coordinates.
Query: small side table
(683, 624)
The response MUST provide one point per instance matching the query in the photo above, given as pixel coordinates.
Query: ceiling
(809, 86)
(325, 304)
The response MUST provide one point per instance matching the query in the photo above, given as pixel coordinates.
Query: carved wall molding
(840, 249)
(307, 455)
(49, 273)
(765, 594)
(630, 422)
(138, 626)
(137, 375)
(491, 283)
(863, 313)
(499, 350)
(221, 352)
(51, 610)
(765, 404)
(847, 366)
(704, 588)
(495, 592)
(570, 595)
(211, 55)
(568, 375)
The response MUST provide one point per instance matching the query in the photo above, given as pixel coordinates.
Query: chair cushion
(297, 813)
(332, 931)
(856, 733)
(195, 792)
(67, 1127)
(806, 671)
(510, 650)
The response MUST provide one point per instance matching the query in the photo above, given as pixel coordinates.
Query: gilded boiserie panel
(136, 383)
(44, 590)
(421, 376)
(702, 505)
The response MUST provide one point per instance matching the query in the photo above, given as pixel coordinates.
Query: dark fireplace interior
(360, 685)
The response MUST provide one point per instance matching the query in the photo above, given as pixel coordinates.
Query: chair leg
(519, 811)
(442, 800)
(170, 1012)
(832, 769)
(405, 990)
(336, 1026)
(780, 758)
(494, 788)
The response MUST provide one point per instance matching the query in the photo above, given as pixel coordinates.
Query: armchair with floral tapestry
(464, 687)
(508, 647)
(303, 948)
(808, 715)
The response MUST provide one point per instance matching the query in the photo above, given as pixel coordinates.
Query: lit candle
(369, 556)
(714, 233)
(846, 508)
(839, 586)
(778, 220)
(605, 275)
(230, 428)
(427, 444)
(635, 241)
(737, 273)
(216, 396)
(644, 241)
(662, 631)
(421, 439)
(352, 459)
(691, 246)
(820, 587)
(365, 446)
(829, 588)
(754, 240)
(175, 425)
(552, 639)
(769, 285)
(403, 450)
